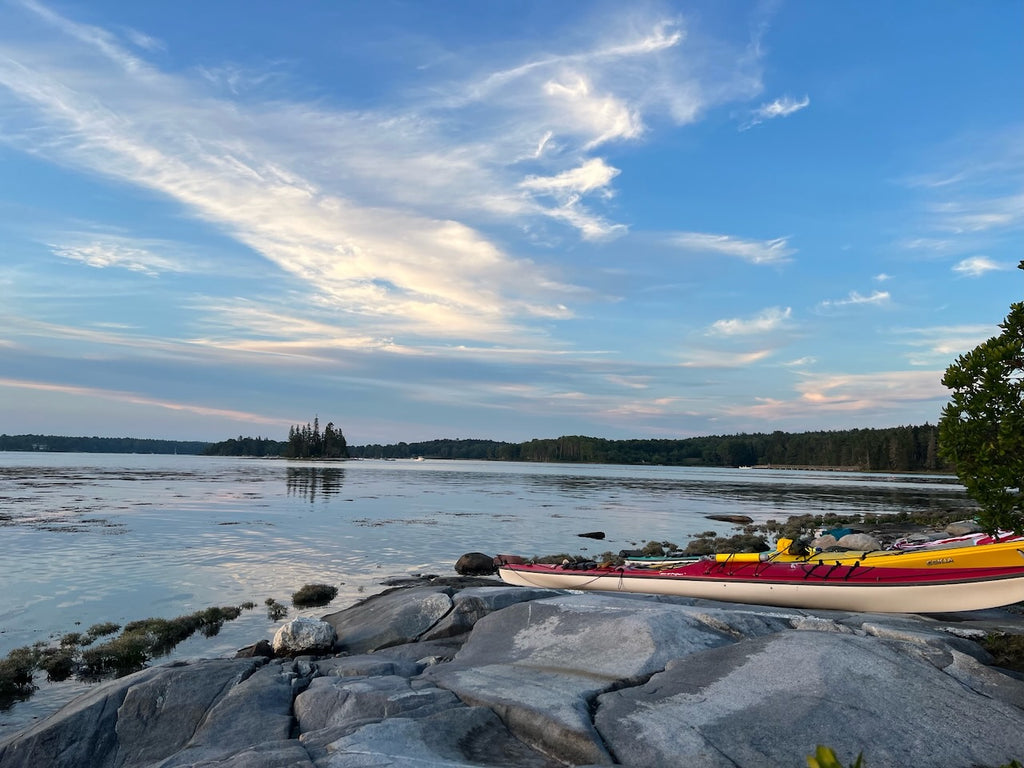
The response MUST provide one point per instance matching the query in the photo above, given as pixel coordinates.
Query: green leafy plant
(982, 427)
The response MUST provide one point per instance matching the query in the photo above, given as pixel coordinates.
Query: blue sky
(501, 220)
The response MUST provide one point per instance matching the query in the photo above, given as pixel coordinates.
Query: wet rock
(737, 519)
(591, 535)
(262, 648)
(475, 564)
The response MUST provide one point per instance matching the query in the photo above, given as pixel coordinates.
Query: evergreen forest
(895, 449)
(60, 444)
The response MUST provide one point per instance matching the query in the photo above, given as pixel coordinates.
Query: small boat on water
(821, 582)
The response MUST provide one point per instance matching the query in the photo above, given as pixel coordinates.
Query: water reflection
(310, 482)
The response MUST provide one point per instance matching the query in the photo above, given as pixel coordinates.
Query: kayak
(850, 585)
(1006, 553)
(967, 540)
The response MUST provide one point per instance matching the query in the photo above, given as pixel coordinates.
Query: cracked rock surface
(436, 675)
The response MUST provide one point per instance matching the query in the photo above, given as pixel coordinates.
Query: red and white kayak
(811, 584)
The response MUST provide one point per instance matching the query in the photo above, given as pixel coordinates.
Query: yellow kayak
(994, 555)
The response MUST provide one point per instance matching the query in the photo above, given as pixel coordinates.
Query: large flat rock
(540, 664)
(764, 700)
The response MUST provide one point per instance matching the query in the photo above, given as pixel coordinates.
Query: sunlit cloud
(720, 359)
(770, 319)
(775, 251)
(976, 266)
(941, 345)
(282, 178)
(133, 398)
(876, 394)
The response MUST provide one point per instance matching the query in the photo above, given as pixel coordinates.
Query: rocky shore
(469, 672)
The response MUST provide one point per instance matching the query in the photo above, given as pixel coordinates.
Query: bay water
(89, 538)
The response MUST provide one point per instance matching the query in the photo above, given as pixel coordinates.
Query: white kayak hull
(931, 597)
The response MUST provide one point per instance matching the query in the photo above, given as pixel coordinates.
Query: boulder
(304, 635)
(825, 541)
(859, 541)
(390, 618)
(475, 564)
(963, 528)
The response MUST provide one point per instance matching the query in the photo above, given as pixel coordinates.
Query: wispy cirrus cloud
(712, 358)
(861, 396)
(379, 212)
(855, 298)
(781, 107)
(775, 251)
(941, 345)
(133, 398)
(976, 266)
(771, 319)
(107, 253)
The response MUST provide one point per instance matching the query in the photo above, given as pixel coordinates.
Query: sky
(507, 220)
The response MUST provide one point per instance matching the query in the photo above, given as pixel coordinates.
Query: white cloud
(781, 107)
(105, 253)
(770, 319)
(775, 251)
(601, 116)
(882, 277)
(854, 298)
(283, 177)
(593, 175)
(720, 359)
(976, 266)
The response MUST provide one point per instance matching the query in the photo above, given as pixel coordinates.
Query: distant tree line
(896, 449)
(61, 444)
(247, 446)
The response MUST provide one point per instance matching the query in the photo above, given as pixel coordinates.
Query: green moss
(1006, 649)
(58, 663)
(126, 653)
(312, 595)
(102, 629)
(16, 672)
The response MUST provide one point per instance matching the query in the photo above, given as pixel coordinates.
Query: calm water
(94, 537)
